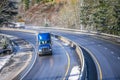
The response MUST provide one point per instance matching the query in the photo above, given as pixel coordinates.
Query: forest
(93, 15)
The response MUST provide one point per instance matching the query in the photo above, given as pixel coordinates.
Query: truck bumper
(45, 53)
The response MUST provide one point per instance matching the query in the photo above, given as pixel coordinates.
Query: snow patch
(4, 60)
(66, 44)
(25, 46)
(75, 73)
(23, 53)
(54, 38)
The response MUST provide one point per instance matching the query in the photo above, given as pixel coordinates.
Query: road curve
(106, 53)
(55, 67)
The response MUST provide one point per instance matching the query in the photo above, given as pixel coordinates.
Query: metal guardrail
(104, 35)
(79, 53)
(72, 44)
(78, 50)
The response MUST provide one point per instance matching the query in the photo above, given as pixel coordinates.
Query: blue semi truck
(44, 44)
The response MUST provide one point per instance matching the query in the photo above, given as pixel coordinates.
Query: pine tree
(27, 3)
(37, 1)
(116, 27)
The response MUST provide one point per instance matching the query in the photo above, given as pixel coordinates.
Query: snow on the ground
(74, 74)
(4, 60)
(66, 44)
(22, 53)
(54, 38)
(25, 46)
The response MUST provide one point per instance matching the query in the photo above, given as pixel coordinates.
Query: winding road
(55, 67)
(102, 57)
(106, 54)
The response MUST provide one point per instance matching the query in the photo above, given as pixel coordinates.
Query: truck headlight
(50, 49)
(40, 50)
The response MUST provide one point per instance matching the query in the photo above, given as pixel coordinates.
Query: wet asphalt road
(106, 53)
(55, 67)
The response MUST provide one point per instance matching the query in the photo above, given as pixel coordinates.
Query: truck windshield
(44, 42)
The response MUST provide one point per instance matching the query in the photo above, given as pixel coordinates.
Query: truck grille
(45, 49)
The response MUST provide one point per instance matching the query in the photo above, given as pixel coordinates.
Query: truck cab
(44, 44)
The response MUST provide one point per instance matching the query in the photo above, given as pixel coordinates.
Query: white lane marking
(118, 58)
(112, 52)
(32, 63)
(106, 48)
(99, 45)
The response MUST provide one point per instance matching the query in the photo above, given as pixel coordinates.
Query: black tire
(51, 53)
(8, 52)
